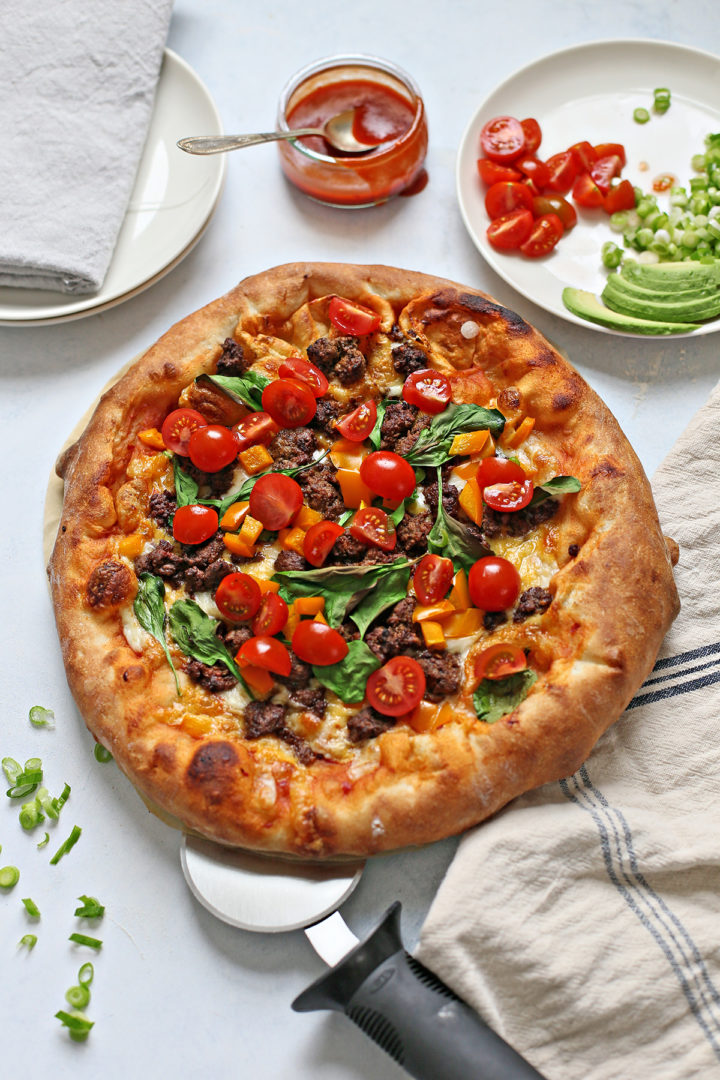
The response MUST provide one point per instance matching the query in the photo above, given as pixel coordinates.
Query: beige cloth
(583, 922)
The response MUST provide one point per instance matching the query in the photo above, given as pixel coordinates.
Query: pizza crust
(598, 641)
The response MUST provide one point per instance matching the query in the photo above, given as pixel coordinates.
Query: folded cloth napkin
(76, 94)
(583, 921)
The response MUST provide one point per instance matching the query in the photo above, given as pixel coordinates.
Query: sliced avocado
(670, 307)
(587, 306)
(683, 290)
(666, 277)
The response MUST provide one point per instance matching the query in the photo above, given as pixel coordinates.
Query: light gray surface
(176, 992)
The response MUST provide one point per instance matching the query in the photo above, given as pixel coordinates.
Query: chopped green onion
(28, 940)
(77, 1024)
(31, 908)
(661, 102)
(611, 255)
(91, 909)
(62, 798)
(9, 876)
(101, 754)
(86, 974)
(40, 717)
(77, 996)
(641, 116)
(66, 845)
(11, 768)
(45, 840)
(30, 815)
(19, 791)
(83, 939)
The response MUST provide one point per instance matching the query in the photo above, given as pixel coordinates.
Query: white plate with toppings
(172, 202)
(590, 92)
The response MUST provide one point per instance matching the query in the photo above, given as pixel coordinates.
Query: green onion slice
(9, 876)
(91, 908)
(101, 754)
(45, 840)
(62, 798)
(11, 768)
(641, 116)
(77, 996)
(86, 974)
(67, 844)
(28, 940)
(83, 939)
(76, 1022)
(31, 907)
(40, 717)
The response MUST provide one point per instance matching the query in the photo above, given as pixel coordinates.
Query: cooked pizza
(351, 558)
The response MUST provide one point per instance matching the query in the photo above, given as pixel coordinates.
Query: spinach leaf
(195, 633)
(390, 588)
(186, 488)
(246, 388)
(450, 538)
(495, 698)
(559, 485)
(399, 513)
(149, 608)
(348, 678)
(342, 586)
(433, 446)
(374, 435)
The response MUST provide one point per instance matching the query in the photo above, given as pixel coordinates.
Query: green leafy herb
(399, 513)
(342, 586)
(450, 538)
(374, 435)
(195, 633)
(67, 845)
(40, 717)
(102, 754)
(348, 678)
(246, 388)
(29, 941)
(91, 908)
(77, 1024)
(433, 446)
(495, 698)
(559, 485)
(31, 908)
(186, 487)
(9, 877)
(149, 608)
(391, 588)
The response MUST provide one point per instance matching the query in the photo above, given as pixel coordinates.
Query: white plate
(171, 204)
(589, 93)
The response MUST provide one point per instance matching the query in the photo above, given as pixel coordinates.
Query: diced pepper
(467, 469)
(471, 501)
(255, 459)
(250, 529)
(521, 432)
(460, 594)
(471, 442)
(354, 491)
(292, 621)
(320, 618)
(345, 454)
(237, 546)
(292, 539)
(130, 546)
(423, 717)
(265, 585)
(441, 610)
(433, 634)
(464, 623)
(258, 679)
(309, 605)
(306, 517)
(234, 516)
(152, 437)
(445, 714)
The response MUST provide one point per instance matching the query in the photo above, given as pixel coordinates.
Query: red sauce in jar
(381, 115)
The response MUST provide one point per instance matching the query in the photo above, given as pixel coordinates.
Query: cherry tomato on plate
(492, 173)
(544, 235)
(606, 149)
(373, 527)
(498, 470)
(499, 660)
(508, 232)
(266, 652)
(494, 583)
(429, 390)
(317, 643)
(297, 368)
(534, 169)
(290, 403)
(238, 597)
(194, 524)
(275, 500)
(271, 616)
(358, 424)
(397, 687)
(351, 318)
(563, 170)
(620, 197)
(213, 447)
(502, 139)
(388, 475)
(585, 156)
(258, 427)
(509, 496)
(585, 191)
(505, 197)
(555, 204)
(179, 426)
(604, 170)
(432, 578)
(319, 540)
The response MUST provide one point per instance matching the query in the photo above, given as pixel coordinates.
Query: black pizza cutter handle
(411, 1014)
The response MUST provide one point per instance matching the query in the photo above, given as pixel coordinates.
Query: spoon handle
(216, 144)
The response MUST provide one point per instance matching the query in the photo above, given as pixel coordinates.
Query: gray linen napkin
(77, 87)
(583, 921)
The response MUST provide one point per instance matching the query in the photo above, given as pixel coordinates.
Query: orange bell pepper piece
(460, 594)
(470, 442)
(265, 585)
(463, 623)
(471, 501)
(292, 539)
(258, 679)
(423, 717)
(520, 434)
(130, 546)
(250, 529)
(434, 612)
(152, 437)
(234, 516)
(354, 491)
(345, 454)
(255, 459)
(309, 605)
(433, 634)
(306, 517)
(237, 546)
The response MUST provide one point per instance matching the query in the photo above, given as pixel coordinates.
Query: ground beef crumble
(232, 360)
(339, 357)
(533, 601)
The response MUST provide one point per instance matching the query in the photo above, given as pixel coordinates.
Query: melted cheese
(532, 555)
(137, 638)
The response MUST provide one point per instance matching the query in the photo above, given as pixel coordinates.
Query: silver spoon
(337, 131)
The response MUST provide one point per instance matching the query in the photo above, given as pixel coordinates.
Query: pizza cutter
(396, 1001)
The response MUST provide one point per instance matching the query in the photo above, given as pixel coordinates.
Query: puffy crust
(611, 606)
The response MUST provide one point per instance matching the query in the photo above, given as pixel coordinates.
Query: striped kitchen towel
(583, 921)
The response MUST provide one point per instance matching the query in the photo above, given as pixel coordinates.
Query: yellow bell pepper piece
(463, 623)
(152, 437)
(309, 605)
(131, 545)
(470, 442)
(520, 434)
(255, 459)
(346, 454)
(234, 516)
(250, 529)
(292, 540)
(441, 610)
(306, 517)
(460, 594)
(471, 501)
(424, 717)
(354, 491)
(433, 634)
(237, 546)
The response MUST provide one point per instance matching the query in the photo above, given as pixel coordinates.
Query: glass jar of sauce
(390, 111)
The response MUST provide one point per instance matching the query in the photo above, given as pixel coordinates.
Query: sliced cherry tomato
(297, 368)
(499, 660)
(532, 133)
(179, 426)
(194, 524)
(372, 526)
(397, 687)
(498, 470)
(505, 197)
(213, 447)
(555, 204)
(388, 475)
(494, 583)
(319, 540)
(271, 615)
(317, 643)
(508, 232)
(502, 139)
(429, 390)
(290, 403)
(534, 169)
(352, 318)
(266, 652)
(585, 191)
(275, 500)
(620, 197)
(509, 496)
(604, 170)
(606, 149)
(358, 424)
(258, 427)
(432, 578)
(238, 597)
(563, 170)
(492, 173)
(545, 234)
(585, 156)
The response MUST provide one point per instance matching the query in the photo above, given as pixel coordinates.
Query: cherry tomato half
(555, 204)
(178, 427)
(532, 133)
(502, 139)
(213, 447)
(620, 197)
(492, 173)
(266, 652)
(605, 149)
(508, 232)
(498, 470)
(429, 390)
(563, 170)
(543, 237)
(585, 191)
(499, 661)
(373, 527)
(275, 500)
(317, 643)
(297, 368)
(290, 403)
(494, 583)
(352, 318)
(388, 475)
(509, 496)
(194, 524)
(258, 427)
(319, 540)
(604, 170)
(358, 424)
(271, 615)
(536, 170)
(432, 578)
(397, 687)
(585, 156)
(238, 597)
(505, 197)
